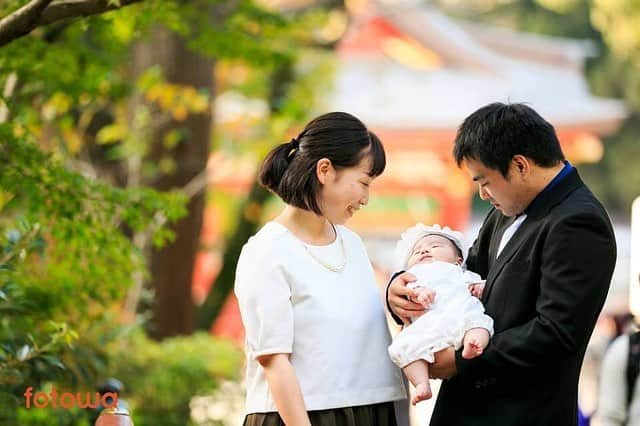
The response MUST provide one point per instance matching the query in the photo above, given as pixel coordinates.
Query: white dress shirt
(508, 233)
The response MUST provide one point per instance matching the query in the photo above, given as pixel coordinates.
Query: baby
(454, 317)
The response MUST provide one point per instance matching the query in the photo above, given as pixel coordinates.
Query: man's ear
(521, 165)
(324, 170)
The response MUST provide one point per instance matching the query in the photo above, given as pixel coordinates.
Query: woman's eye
(364, 183)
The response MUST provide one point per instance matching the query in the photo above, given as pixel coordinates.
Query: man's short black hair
(496, 132)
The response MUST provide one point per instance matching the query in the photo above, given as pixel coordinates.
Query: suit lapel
(496, 238)
(517, 240)
(542, 205)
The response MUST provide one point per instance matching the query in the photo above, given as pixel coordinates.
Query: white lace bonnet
(411, 236)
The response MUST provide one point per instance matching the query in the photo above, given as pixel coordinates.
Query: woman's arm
(285, 389)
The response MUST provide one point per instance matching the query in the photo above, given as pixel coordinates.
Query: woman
(316, 335)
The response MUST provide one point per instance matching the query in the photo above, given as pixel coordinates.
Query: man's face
(509, 195)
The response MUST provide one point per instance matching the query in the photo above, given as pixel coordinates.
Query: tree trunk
(172, 266)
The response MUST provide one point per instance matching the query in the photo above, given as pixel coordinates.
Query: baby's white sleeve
(264, 298)
(472, 277)
(421, 279)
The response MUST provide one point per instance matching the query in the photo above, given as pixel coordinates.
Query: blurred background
(131, 132)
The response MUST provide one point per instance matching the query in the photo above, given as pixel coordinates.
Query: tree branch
(64, 9)
(22, 21)
(39, 13)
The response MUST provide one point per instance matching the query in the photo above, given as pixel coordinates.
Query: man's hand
(444, 365)
(400, 298)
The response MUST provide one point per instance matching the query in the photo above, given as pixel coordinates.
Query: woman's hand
(400, 298)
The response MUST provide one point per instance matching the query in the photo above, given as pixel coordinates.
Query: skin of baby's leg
(418, 374)
(474, 342)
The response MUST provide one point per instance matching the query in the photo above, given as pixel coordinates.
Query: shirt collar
(554, 182)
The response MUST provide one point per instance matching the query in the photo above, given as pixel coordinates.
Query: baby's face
(432, 248)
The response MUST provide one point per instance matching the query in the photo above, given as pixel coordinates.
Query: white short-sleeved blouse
(332, 323)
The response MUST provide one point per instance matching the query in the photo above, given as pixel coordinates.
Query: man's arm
(576, 269)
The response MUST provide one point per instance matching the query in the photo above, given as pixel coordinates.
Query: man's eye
(364, 183)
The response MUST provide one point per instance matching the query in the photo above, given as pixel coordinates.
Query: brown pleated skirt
(382, 414)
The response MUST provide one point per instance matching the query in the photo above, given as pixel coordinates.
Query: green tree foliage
(66, 264)
(163, 377)
(71, 209)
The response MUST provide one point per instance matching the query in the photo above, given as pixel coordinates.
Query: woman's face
(343, 191)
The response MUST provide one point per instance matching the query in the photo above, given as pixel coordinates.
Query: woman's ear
(324, 170)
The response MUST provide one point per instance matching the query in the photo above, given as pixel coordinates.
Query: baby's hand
(426, 297)
(477, 289)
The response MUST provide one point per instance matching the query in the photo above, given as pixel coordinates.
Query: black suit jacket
(544, 293)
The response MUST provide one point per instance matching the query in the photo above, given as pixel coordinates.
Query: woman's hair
(289, 170)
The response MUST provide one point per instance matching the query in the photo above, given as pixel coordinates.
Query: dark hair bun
(274, 166)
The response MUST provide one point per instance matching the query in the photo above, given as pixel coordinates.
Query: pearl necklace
(332, 268)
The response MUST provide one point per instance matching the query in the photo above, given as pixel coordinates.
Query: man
(547, 251)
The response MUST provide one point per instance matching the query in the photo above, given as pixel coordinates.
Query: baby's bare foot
(472, 348)
(422, 392)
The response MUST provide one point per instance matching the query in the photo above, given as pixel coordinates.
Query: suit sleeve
(394, 316)
(576, 266)
(472, 260)
(477, 259)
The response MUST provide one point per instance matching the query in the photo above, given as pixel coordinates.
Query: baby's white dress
(453, 312)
